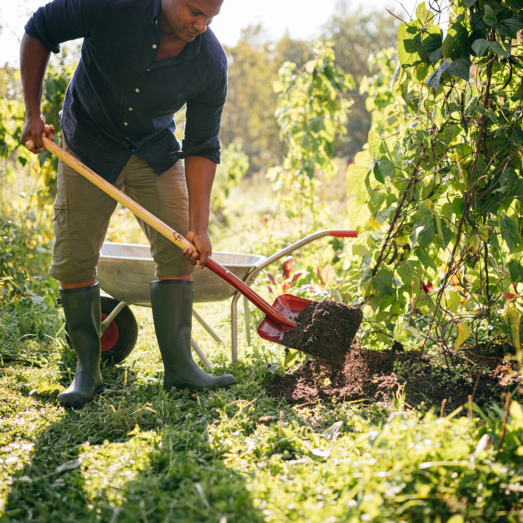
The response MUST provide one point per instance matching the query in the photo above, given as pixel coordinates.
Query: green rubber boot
(172, 301)
(83, 315)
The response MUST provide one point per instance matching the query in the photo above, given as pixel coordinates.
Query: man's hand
(203, 245)
(34, 128)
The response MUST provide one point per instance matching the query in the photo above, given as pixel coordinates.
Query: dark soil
(367, 374)
(325, 329)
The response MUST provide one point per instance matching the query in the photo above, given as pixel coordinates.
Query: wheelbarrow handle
(164, 229)
(344, 233)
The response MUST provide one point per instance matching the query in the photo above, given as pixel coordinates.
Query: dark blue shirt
(120, 101)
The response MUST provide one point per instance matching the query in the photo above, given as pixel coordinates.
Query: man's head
(188, 18)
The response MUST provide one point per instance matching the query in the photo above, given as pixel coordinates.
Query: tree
(249, 112)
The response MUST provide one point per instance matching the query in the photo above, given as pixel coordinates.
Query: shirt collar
(156, 10)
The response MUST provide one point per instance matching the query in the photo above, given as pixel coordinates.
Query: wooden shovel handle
(164, 229)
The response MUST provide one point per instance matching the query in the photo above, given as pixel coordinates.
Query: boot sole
(76, 404)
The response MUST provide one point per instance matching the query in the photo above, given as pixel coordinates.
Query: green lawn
(139, 454)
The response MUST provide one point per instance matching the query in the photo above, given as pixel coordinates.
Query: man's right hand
(34, 128)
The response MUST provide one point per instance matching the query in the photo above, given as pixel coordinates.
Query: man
(142, 60)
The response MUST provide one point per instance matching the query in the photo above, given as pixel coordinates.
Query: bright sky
(302, 18)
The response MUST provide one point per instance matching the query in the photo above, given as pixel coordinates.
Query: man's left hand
(203, 246)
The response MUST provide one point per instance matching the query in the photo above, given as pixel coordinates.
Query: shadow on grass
(145, 456)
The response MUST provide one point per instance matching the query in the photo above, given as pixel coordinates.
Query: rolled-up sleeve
(203, 121)
(63, 20)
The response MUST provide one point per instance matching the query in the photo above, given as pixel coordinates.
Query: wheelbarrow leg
(234, 328)
(201, 355)
(206, 326)
(247, 318)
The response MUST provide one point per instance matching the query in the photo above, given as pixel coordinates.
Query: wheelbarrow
(125, 272)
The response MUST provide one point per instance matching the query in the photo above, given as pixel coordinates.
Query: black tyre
(120, 337)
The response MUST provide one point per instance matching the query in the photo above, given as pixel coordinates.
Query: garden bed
(370, 375)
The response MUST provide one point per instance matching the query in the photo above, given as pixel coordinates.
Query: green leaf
(424, 258)
(290, 357)
(469, 3)
(329, 128)
(460, 68)
(359, 215)
(457, 205)
(515, 269)
(509, 231)
(497, 48)
(515, 4)
(426, 236)
(415, 44)
(516, 136)
(409, 272)
(480, 46)
(317, 124)
(382, 169)
(374, 143)
(489, 17)
(438, 116)
(510, 27)
(383, 282)
(424, 15)
(435, 78)
(436, 56)
(447, 211)
(366, 277)
(356, 175)
(492, 115)
(456, 42)
(447, 235)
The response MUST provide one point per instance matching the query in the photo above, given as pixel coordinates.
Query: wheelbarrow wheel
(119, 339)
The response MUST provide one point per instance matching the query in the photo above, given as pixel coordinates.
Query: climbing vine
(311, 113)
(440, 182)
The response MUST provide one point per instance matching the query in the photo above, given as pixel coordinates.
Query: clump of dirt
(325, 329)
(367, 374)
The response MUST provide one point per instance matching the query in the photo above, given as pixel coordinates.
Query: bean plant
(439, 185)
(311, 113)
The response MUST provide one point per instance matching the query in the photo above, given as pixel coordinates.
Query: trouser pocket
(61, 245)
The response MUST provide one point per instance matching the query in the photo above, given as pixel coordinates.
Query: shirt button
(130, 108)
(148, 70)
(155, 46)
(125, 123)
(137, 90)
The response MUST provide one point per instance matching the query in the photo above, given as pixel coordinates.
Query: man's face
(189, 18)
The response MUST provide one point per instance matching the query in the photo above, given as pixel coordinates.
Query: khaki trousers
(82, 212)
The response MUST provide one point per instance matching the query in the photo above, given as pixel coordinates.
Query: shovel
(278, 318)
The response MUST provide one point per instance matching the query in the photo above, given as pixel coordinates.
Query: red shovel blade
(288, 305)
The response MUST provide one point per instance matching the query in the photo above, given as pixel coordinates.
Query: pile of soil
(325, 329)
(367, 374)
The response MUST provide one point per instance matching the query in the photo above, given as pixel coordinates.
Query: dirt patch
(366, 374)
(325, 329)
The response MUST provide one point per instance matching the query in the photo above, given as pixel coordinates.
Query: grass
(140, 454)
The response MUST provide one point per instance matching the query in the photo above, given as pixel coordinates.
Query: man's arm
(34, 57)
(56, 22)
(199, 173)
